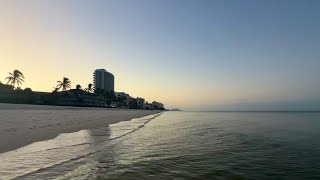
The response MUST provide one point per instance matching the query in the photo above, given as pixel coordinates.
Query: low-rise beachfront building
(157, 105)
(5, 88)
(133, 103)
(154, 106)
(148, 106)
(103, 80)
(123, 99)
(140, 103)
(75, 97)
(9, 95)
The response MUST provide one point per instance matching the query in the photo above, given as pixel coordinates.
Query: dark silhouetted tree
(78, 87)
(65, 84)
(15, 78)
(27, 90)
(89, 88)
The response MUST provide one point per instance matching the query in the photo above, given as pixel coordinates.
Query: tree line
(16, 78)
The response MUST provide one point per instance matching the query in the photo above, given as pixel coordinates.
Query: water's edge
(39, 156)
(21, 127)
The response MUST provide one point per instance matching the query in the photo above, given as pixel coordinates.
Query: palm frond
(9, 79)
(20, 79)
(18, 73)
(58, 87)
(18, 82)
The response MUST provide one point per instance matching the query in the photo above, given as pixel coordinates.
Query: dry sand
(24, 124)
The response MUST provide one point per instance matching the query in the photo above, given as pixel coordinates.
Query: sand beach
(21, 125)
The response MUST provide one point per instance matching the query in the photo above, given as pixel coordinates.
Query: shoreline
(22, 124)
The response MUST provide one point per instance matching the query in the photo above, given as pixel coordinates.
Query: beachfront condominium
(103, 80)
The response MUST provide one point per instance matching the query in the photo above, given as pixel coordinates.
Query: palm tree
(15, 78)
(89, 88)
(55, 89)
(78, 87)
(65, 84)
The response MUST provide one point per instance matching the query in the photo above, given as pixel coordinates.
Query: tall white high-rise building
(103, 79)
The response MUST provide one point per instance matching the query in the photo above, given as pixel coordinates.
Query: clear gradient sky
(198, 55)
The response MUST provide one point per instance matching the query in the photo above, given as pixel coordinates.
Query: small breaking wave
(41, 156)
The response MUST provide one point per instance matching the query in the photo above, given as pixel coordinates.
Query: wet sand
(21, 125)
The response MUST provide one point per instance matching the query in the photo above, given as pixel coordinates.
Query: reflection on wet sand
(66, 154)
(39, 156)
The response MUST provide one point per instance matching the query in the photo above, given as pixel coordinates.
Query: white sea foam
(65, 148)
(24, 124)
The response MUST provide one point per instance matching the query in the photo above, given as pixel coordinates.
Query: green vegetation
(78, 87)
(13, 93)
(6, 87)
(15, 78)
(65, 84)
(89, 88)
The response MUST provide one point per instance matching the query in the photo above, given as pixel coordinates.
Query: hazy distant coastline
(24, 124)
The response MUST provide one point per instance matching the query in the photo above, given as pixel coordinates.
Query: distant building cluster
(104, 83)
(99, 94)
(154, 105)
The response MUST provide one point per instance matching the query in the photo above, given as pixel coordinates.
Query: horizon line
(308, 111)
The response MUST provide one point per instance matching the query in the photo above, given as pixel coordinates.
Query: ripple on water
(185, 145)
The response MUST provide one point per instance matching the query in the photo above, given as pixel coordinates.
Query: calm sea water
(179, 145)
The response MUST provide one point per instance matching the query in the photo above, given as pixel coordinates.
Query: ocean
(179, 145)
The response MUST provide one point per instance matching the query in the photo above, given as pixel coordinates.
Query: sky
(194, 55)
